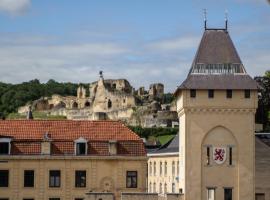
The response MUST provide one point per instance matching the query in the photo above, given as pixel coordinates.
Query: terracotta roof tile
(28, 134)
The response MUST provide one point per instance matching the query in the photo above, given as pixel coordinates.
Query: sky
(143, 41)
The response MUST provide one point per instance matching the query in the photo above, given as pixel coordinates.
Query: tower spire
(205, 19)
(226, 20)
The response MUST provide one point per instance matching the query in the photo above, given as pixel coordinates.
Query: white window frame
(80, 141)
(7, 140)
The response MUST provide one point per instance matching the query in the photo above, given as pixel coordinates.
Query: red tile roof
(27, 136)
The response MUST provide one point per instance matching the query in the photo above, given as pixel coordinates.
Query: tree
(263, 111)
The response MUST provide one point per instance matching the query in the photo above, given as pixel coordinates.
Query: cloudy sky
(144, 41)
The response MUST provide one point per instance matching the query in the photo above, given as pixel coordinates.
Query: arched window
(154, 188)
(165, 168)
(160, 188)
(160, 168)
(177, 169)
(173, 187)
(165, 188)
(173, 168)
(109, 103)
(155, 170)
(87, 104)
(150, 187)
(150, 169)
(75, 105)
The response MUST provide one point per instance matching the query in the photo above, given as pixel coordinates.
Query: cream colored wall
(99, 173)
(161, 177)
(200, 115)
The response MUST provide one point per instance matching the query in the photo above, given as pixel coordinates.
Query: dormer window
(81, 146)
(5, 146)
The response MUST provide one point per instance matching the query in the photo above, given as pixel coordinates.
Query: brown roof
(27, 136)
(216, 47)
(219, 82)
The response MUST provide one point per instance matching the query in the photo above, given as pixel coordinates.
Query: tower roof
(216, 47)
(217, 65)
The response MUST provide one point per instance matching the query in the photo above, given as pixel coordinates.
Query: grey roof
(219, 82)
(217, 54)
(170, 147)
(216, 46)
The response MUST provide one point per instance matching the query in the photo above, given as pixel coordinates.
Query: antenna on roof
(226, 20)
(205, 18)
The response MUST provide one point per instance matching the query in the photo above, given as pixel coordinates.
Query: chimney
(113, 147)
(46, 144)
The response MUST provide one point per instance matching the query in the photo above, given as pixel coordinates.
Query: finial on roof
(226, 19)
(29, 114)
(205, 19)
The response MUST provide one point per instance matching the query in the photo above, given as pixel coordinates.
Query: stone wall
(99, 196)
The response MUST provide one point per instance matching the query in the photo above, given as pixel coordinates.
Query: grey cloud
(14, 7)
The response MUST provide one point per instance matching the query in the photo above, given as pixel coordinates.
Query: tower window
(109, 103)
(208, 155)
(210, 93)
(229, 94)
(227, 193)
(247, 94)
(211, 194)
(193, 93)
(230, 155)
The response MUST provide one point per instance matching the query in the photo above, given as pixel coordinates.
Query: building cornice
(68, 157)
(215, 110)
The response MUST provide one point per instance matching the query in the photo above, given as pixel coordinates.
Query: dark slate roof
(216, 47)
(265, 138)
(219, 82)
(170, 147)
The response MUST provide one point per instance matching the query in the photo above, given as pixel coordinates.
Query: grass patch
(36, 115)
(165, 138)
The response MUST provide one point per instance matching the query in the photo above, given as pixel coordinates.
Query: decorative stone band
(216, 110)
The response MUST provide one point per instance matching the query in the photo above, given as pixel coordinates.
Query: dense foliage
(263, 112)
(155, 132)
(13, 96)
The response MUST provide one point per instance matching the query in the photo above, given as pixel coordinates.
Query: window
(211, 194)
(160, 188)
(173, 187)
(150, 169)
(192, 93)
(208, 155)
(165, 188)
(247, 94)
(173, 168)
(154, 188)
(81, 146)
(177, 169)
(210, 94)
(5, 146)
(131, 179)
(54, 198)
(160, 168)
(165, 168)
(4, 176)
(80, 178)
(260, 196)
(29, 176)
(28, 199)
(79, 199)
(227, 193)
(109, 103)
(229, 94)
(230, 155)
(80, 149)
(55, 178)
(155, 170)
(4, 198)
(150, 187)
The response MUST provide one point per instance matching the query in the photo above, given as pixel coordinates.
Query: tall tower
(216, 106)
